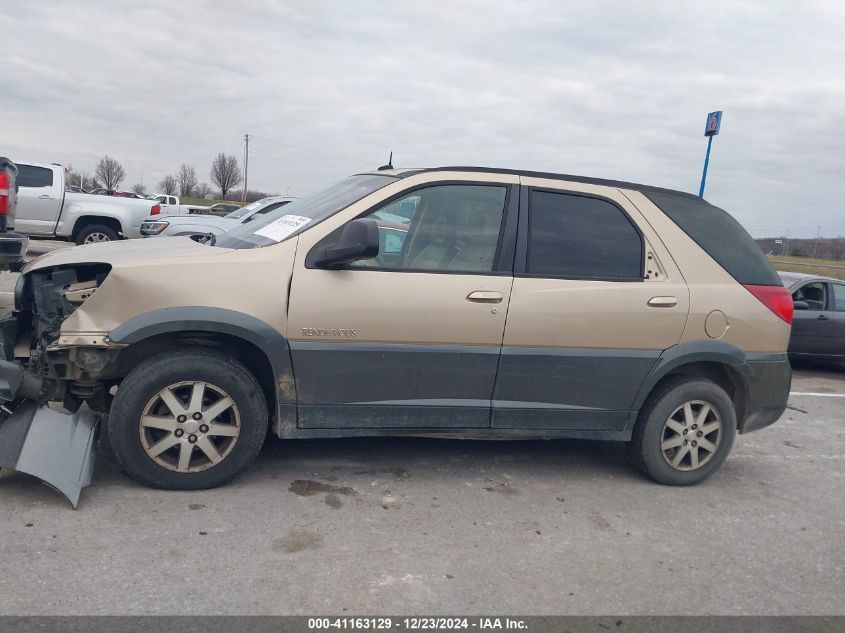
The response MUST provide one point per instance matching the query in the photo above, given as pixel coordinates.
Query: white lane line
(3, 292)
(820, 395)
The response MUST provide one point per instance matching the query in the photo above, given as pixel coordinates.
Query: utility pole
(246, 165)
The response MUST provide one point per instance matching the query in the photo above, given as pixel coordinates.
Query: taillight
(775, 298)
(156, 209)
(4, 193)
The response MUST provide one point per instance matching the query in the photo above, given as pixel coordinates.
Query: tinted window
(31, 176)
(838, 296)
(721, 236)
(445, 228)
(580, 237)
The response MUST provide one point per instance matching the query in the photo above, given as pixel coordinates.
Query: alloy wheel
(691, 435)
(189, 426)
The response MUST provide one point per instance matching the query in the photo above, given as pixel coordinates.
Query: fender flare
(694, 352)
(220, 321)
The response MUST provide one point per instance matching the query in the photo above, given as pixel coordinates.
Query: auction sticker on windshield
(279, 229)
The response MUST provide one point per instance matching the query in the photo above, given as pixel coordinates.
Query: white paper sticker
(284, 226)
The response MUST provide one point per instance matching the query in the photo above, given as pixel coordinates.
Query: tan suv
(484, 303)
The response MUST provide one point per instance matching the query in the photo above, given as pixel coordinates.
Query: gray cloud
(616, 90)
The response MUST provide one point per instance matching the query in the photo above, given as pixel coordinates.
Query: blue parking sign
(714, 120)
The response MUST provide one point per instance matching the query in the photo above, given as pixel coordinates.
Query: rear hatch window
(720, 235)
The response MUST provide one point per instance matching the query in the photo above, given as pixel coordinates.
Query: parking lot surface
(369, 526)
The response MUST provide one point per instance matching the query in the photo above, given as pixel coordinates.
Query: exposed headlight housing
(153, 228)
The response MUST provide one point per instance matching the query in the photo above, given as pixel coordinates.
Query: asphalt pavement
(376, 526)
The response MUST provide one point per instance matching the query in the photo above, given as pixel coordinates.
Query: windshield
(294, 217)
(239, 213)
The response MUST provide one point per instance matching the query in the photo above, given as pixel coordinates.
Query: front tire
(95, 234)
(187, 420)
(685, 432)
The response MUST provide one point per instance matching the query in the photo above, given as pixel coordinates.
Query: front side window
(32, 176)
(838, 297)
(442, 228)
(813, 294)
(579, 237)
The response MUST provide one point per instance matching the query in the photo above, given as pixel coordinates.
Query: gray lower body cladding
(769, 380)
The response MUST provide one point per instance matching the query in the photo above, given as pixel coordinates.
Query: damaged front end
(37, 367)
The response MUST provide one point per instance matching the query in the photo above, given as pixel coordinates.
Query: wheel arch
(255, 343)
(720, 362)
(87, 220)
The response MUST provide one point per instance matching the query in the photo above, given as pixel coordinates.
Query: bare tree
(225, 173)
(187, 178)
(139, 187)
(203, 190)
(81, 179)
(168, 184)
(109, 172)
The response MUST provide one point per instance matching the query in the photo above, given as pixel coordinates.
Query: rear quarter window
(721, 237)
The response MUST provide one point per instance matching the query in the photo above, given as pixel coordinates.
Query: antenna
(389, 163)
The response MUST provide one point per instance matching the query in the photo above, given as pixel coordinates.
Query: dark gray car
(818, 326)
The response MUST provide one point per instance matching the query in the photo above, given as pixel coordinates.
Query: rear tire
(685, 432)
(187, 420)
(95, 234)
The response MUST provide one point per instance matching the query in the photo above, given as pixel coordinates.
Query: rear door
(410, 339)
(39, 199)
(596, 299)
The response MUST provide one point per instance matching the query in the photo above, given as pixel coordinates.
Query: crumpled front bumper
(58, 448)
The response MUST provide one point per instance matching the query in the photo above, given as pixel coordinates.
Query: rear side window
(579, 237)
(721, 236)
(838, 297)
(31, 176)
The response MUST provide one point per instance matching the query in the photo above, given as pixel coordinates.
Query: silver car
(169, 225)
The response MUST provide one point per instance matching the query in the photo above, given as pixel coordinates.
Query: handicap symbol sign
(714, 120)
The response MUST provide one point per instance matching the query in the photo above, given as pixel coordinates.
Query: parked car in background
(12, 245)
(514, 305)
(46, 208)
(220, 209)
(818, 327)
(172, 205)
(195, 225)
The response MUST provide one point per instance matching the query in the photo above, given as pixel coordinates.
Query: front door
(596, 300)
(812, 328)
(411, 338)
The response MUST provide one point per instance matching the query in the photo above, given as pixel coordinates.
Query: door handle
(663, 302)
(45, 197)
(823, 317)
(485, 296)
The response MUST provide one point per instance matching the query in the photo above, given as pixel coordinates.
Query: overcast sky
(325, 89)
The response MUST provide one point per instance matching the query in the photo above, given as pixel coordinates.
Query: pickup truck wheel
(685, 432)
(187, 420)
(96, 233)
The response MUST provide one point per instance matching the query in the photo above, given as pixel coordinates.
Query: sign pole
(711, 129)
(706, 163)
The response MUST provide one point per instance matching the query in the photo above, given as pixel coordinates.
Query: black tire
(152, 376)
(652, 431)
(98, 229)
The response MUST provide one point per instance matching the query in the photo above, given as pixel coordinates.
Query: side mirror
(358, 240)
(800, 305)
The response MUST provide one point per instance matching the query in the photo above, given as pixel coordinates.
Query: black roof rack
(621, 184)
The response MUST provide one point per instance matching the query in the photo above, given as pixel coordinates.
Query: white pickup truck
(172, 205)
(47, 209)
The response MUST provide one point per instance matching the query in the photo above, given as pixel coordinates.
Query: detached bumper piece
(58, 448)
